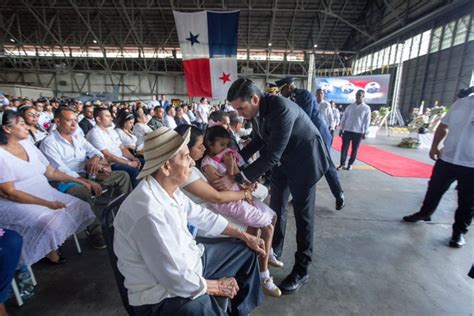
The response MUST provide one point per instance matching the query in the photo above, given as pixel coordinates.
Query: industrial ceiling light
(269, 44)
(94, 41)
(12, 40)
(315, 45)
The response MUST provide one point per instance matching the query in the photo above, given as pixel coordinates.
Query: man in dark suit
(88, 122)
(292, 144)
(307, 102)
(164, 103)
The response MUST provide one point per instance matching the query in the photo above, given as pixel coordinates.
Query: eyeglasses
(32, 115)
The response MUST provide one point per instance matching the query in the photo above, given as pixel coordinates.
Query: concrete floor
(366, 260)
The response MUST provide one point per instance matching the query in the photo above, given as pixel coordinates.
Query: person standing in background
(354, 126)
(324, 108)
(336, 118)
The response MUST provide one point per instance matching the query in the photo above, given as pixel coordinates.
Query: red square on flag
(198, 77)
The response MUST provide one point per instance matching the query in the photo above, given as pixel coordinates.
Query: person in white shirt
(324, 108)
(170, 122)
(124, 129)
(73, 155)
(166, 271)
(106, 139)
(336, 119)
(354, 126)
(141, 129)
(202, 113)
(454, 162)
(153, 103)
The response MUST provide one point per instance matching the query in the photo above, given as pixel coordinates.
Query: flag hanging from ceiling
(208, 42)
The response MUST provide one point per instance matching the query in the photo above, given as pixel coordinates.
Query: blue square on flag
(222, 34)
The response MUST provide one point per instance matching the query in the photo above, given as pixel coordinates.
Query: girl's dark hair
(215, 132)
(123, 118)
(195, 133)
(9, 118)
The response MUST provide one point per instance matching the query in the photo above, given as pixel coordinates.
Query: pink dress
(257, 215)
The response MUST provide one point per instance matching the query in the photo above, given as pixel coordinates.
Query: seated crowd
(57, 157)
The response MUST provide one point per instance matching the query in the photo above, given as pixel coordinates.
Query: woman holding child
(237, 205)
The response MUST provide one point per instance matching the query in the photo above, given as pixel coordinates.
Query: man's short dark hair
(319, 91)
(98, 111)
(202, 100)
(87, 106)
(243, 89)
(156, 108)
(60, 110)
(360, 91)
(217, 116)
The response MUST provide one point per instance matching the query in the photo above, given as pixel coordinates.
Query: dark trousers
(10, 251)
(347, 139)
(132, 172)
(304, 200)
(223, 257)
(444, 174)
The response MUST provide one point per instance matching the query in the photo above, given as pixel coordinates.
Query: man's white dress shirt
(325, 110)
(108, 139)
(459, 143)
(68, 158)
(156, 253)
(356, 118)
(170, 122)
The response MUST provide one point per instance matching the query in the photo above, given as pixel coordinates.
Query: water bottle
(25, 284)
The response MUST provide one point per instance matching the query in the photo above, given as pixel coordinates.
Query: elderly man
(108, 142)
(72, 154)
(166, 272)
(454, 162)
(354, 126)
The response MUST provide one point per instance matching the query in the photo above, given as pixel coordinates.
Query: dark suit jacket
(85, 125)
(286, 135)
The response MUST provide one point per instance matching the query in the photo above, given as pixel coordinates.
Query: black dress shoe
(340, 202)
(349, 167)
(340, 167)
(293, 282)
(416, 217)
(457, 240)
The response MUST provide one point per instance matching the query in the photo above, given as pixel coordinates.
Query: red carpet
(390, 163)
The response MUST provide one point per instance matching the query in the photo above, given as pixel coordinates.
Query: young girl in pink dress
(220, 159)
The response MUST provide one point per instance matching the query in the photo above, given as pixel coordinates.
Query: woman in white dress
(44, 216)
(124, 130)
(141, 129)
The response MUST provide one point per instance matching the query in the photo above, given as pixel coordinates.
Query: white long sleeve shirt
(325, 110)
(108, 139)
(356, 118)
(68, 158)
(156, 253)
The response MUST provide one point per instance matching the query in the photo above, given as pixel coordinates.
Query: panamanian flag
(208, 42)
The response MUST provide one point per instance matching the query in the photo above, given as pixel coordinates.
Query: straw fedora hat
(160, 146)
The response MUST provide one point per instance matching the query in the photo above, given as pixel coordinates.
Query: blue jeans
(132, 172)
(10, 251)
